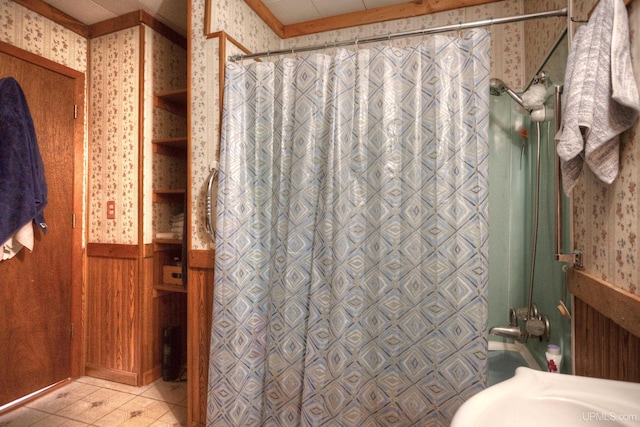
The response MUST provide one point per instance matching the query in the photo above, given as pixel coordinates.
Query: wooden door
(36, 288)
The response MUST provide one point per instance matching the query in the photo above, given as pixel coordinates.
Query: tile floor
(90, 401)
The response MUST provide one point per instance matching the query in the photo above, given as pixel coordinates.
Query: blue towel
(23, 189)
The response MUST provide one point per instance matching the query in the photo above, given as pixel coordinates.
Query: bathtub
(505, 358)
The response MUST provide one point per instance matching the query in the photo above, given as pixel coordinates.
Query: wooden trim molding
(123, 377)
(269, 18)
(370, 16)
(46, 63)
(112, 250)
(615, 303)
(133, 19)
(55, 15)
(202, 259)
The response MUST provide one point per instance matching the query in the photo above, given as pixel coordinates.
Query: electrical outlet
(111, 209)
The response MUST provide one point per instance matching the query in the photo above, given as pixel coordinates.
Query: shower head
(497, 88)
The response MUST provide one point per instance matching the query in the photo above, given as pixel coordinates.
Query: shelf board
(167, 242)
(174, 101)
(180, 141)
(167, 194)
(170, 288)
(170, 146)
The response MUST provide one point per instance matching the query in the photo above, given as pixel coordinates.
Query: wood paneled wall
(111, 321)
(606, 329)
(126, 316)
(200, 302)
(603, 348)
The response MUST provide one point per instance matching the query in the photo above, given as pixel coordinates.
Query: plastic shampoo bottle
(554, 358)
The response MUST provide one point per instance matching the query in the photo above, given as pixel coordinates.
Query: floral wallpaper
(541, 34)
(165, 69)
(241, 23)
(113, 138)
(605, 217)
(32, 32)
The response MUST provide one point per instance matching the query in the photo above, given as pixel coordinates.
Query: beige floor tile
(62, 397)
(21, 417)
(57, 421)
(124, 417)
(144, 406)
(172, 392)
(109, 397)
(90, 401)
(177, 416)
(113, 385)
(85, 411)
(141, 421)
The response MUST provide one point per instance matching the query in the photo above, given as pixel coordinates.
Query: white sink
(536, 398)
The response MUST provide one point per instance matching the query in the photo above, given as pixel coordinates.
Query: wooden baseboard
(33, 396)
(129, 378)
(152, 375)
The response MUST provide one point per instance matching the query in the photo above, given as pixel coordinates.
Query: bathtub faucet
(512, 331)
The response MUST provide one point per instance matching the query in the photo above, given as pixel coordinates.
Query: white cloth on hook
(601, 96)
(22, 239)
(533, 99)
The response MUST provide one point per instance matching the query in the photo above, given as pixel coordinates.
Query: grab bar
(209, 217)
(575, 257)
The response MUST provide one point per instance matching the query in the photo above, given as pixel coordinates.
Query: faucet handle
(523, 313)
(513, 318)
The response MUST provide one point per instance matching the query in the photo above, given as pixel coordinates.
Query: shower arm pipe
(400, 35)
(574, 258)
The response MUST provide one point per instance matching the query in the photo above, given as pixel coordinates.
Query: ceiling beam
(370, 16)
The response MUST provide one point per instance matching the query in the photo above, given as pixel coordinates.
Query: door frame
(79, 185)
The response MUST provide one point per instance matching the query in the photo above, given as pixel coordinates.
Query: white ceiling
(170, 12)
(295, 11)
(174, 12)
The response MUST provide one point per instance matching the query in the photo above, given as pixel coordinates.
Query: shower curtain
(351, 253)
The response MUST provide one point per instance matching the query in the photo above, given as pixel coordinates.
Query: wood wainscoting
(606, 329)
(200, 303)
(126, 316)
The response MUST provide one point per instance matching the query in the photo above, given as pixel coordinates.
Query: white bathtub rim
(517, 347)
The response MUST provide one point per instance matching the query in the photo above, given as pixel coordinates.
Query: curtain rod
(433, 30)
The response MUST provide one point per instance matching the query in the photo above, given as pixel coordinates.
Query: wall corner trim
(617, 304)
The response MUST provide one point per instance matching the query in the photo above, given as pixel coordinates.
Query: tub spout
(512, 332)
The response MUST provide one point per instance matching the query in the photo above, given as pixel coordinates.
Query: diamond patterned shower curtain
(351, 257)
